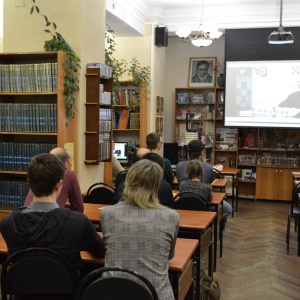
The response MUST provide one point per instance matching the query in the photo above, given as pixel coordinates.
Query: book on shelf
(249, 140)
(232, 162)
(124, 118)
(134, 122)
(183, 98)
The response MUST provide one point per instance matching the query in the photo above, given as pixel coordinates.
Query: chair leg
(221, 228)
(288, 235)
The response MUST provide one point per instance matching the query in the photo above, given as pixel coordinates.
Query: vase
(221, 80)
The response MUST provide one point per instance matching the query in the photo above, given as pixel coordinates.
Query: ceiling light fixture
(281, 36)
(205, 36)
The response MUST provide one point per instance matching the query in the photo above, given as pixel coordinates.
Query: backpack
(210, 289)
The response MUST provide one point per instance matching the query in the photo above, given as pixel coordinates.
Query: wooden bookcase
(98, 114)
(200, 104)
(136, 100)
(32, 117)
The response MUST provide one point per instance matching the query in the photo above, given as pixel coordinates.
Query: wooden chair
(100, 193)
(294, 212)
(121, 283)
(37, 273)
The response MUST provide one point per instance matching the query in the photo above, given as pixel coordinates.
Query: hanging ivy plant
(71, 63)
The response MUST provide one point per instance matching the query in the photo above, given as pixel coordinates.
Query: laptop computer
(121, 152)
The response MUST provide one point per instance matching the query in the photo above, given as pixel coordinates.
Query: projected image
(262, 94)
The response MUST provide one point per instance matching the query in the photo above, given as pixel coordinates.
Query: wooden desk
(199, 222)
(180, 266)
(296, 175)
(219, 184)
(235, 186)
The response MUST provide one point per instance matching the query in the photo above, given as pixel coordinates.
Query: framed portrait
(202, 72)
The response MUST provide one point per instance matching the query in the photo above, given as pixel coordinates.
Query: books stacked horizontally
(189, 136)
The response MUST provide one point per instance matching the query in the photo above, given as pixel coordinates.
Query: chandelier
(205, 36)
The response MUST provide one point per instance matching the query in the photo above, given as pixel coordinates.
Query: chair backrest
(295, 197)
(37, 272)
(190, 201)
(100, 193)
(115, 286)
(217, 173)
(120, 178)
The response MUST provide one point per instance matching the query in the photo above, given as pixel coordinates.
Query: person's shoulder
(169, 213)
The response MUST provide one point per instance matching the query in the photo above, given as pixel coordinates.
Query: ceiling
(129, 17)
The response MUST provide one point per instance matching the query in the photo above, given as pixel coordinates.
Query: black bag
(210, 289)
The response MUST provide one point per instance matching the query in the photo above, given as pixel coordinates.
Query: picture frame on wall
(202, 72)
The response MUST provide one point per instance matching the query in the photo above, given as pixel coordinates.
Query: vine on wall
(71, 63)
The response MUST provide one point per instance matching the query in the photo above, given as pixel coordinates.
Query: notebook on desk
(121, 152)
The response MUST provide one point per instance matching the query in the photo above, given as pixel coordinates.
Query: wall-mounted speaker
(161, 36)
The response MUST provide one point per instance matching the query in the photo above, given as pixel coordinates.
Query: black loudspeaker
(161, 36)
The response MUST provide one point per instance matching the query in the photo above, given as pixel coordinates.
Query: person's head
(154, 157)
(138, 154)
(45, 174)
(154, 141)
(195, 149)
(194, 170)
(202, 68)
(142, 182)
(64, 156)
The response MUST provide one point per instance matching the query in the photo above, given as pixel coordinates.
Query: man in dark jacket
(44, 224)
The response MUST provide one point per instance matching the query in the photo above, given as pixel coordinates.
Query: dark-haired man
(44, 224)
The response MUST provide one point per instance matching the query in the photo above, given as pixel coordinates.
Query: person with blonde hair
(140, 233)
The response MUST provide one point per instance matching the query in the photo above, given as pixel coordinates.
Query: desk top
(296, 175)
(230, 171)
(184, 250)
(198, 220)
(219, 183)
(195, 219)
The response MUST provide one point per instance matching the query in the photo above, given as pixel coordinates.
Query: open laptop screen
(121, 151)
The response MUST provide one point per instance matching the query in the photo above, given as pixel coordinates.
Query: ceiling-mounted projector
(281, 36)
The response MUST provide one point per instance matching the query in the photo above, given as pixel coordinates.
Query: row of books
(105, 70)
(104, 114)
(270, 160)
(13, 194)
(128, 96)
(28, 117)
(16, 156)
(104, 126)
(196, 98)
(126, 119)
(104, 146)
(28, 78)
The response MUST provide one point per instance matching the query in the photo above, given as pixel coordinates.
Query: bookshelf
(196, 116)
(131, 103)
(98, 113)
(32, 117)
(134, 100)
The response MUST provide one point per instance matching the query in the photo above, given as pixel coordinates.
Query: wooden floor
(254, 263)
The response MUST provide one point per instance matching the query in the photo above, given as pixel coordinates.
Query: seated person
(165, 195)
(193, 181)
(154, 143)
(139, 233)
(44, 224)
(70, 189)
(195, 149)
